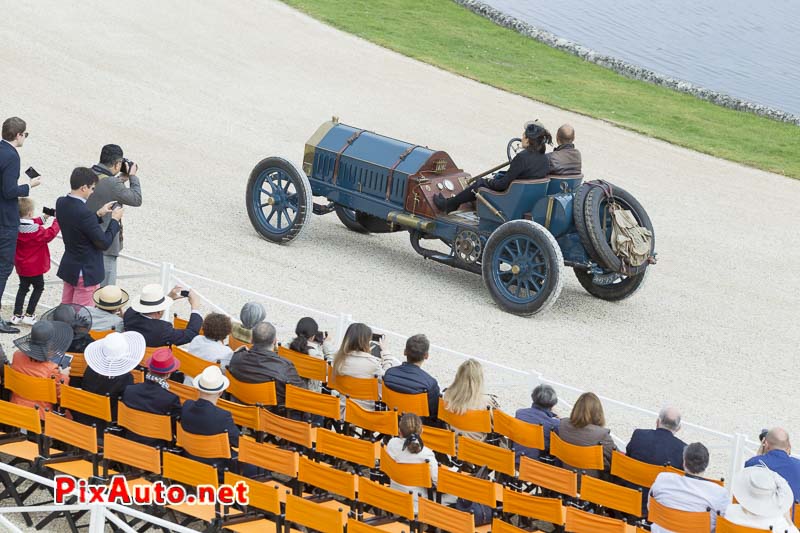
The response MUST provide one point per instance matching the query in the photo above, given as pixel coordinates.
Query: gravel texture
(199, 97)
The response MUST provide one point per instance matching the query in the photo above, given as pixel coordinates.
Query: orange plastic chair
(483, 454)
(580, 457)
(268, 457)
(191, 365)
(549, 477)
(439, 440)
(243, 415)
(467, 487)
(192, 473)
(477, 420)
(20, 417)
(261, 496)
(350, 449)
(145, 424)
(498, 526)
(536, 507)
(327, 478)
(78, 366)
(412, 475)
(726, 526)
(315, 516)
(307, 366)
(85, 402)
(234, 343)
(295, 431)
(181, 323)
(611, 495)
(205, 446)
(253, 393)
(32, 388)
(184, 392)
(357, 388)
(675, 520)
(97, 335)
(405, 403)
(57, 427)
(634, 471)
(582, 522)
(383, 422)
(130, 453)
(312, 402)
(390, 500)
(518, 431)
(445, 518)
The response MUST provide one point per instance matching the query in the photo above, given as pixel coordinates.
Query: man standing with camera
(114, 171)
(14, 132)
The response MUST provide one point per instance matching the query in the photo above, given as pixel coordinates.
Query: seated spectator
(540, 412)
(775, 453)
(203, 417)
(409, 378)
(586, 427)
(409, 448)
(467, 393)
(311, 341)
(355, 358)
(209, 345)
(251, 314)
(39, 354)
(690, 492)
(153, 395)
(76, 317)
(107, 311)
(146, 313)
(261, 364)
(109, 363)
(659, 446)
(764, 500)
(565, 158)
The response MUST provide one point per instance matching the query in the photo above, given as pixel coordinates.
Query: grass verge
(449, 36)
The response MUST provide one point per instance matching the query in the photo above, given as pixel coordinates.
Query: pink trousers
(78, 294)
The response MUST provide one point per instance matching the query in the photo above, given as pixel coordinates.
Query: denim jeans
(8, 247)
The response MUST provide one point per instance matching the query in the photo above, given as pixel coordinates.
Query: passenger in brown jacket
(565, 158)
(586, 427)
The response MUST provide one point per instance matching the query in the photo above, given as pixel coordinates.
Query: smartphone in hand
(66, 361)
(31, 173)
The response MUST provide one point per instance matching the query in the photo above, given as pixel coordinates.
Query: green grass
(449, 36)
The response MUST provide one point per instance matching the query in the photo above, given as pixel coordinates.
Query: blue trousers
(8, 247)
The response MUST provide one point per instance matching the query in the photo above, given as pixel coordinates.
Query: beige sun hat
(211, 380)
(762, 491)
(116, 353)
(110, 298)
(151, 300)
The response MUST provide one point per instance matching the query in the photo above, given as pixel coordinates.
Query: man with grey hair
(659, 446)
(776, 453)
(540, 413)
(261, 364)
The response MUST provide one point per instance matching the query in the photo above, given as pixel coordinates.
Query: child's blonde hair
(25, 206)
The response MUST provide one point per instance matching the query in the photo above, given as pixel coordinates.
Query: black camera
(49, 211)
(126, 166)
(319, 338)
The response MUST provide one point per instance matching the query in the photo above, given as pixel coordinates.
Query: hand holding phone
(31, 173)
(65, 361)
(184, 293)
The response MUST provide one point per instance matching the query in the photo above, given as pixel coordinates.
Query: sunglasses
(25, 134)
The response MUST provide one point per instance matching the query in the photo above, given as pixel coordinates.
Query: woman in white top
(211, 344)
(408, 448)
(764, 501)
(355, 358)
(311, 341)
(467, 393)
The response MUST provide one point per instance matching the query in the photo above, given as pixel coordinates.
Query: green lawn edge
(449, 36)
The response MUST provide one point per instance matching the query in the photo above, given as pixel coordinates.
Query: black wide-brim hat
(78, 317)
(47, 341)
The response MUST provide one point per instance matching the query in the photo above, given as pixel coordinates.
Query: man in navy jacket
(14, 134)
(84, 239)
(775, 453)
(409, 378)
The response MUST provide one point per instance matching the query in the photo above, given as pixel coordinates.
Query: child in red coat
(32, 259)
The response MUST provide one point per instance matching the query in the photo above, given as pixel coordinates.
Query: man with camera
(113, 172)
(14, 133)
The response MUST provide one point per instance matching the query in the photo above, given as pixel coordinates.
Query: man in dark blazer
(14, 134)
(81, 266)
(147, 310)
(659, 446)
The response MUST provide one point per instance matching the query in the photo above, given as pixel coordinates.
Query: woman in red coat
(32, 259)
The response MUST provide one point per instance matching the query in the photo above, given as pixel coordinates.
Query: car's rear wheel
(279, 202)
(348, 218)
(623, 287)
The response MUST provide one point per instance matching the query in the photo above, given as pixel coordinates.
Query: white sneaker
(16, 319)
(29, 320)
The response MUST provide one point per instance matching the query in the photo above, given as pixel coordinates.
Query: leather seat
(564, 183)
(515, 201)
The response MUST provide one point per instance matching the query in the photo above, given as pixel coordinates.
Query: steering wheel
(514, 147)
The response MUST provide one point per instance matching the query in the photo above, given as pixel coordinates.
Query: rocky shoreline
(624, 68)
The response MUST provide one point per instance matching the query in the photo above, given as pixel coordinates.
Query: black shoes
(5, 327)
(440, 202)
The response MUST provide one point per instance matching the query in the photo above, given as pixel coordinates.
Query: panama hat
(151, 300)
(46, 341)
(762, 491)
(110, 298)
(211, 380)
(163, 361)
(116, 353)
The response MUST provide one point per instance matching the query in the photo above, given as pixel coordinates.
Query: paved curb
(624, 68)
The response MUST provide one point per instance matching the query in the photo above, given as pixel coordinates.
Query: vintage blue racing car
(517, 239)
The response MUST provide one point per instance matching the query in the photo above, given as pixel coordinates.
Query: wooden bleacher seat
(518, 431)
(476, 420)
(580, 457)
(578, 521)
(349, 449)
(205, 446)
(145, 424)
(611, 496)
(482, 454)
(673, 519)
(253, 393)
(307, 366)
(552, 478)
(405, 403)
(535, 507)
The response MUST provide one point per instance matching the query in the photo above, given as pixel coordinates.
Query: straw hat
(110, 298)
(46, 341)
(151, 300)
(762, 491)
(163, 361)
(116, 353)
(211, 380)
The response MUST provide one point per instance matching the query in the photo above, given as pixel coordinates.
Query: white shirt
(736, 514)
(396, 452)
(686, 493)
(81, 198)
(209, 350)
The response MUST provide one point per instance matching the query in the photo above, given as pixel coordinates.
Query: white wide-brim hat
(762, 491)
(116, 353)
(151, 300)
(211, 380)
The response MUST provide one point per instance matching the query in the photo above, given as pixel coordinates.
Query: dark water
(750, 50)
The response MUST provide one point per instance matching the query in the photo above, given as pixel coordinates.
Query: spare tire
(578, 210)
(597, 219)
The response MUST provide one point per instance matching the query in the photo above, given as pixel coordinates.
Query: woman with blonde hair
(467, 393)
(408, 448)
(586, 427)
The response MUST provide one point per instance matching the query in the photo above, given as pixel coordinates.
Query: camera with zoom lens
(126, 166)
